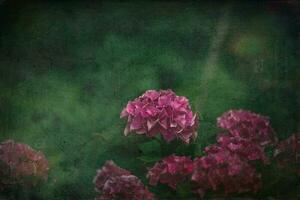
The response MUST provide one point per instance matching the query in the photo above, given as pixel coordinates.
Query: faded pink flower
(246, 149)
(113, 182)
(248, 125)
(222, 170)
(171, 170)
(287, 153)
(22, 165)
(161, 112)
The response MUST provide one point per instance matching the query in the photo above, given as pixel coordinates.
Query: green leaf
(149, 159)
(183, 190)
(150, 147)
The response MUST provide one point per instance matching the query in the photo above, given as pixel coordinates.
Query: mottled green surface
(67, 69)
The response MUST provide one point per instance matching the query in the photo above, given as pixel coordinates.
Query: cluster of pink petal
(113, 182)
(287, 153)
(248, 125)
(246, 149)
(222, 170)
(171, 170)
(161, 112)
(22, 165)
(226, 165)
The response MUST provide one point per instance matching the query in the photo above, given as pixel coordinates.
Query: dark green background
(69, 67)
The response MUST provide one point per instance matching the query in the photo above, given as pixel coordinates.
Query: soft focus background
(68, 68)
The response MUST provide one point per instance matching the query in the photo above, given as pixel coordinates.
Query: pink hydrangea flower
(248, 125)
(287, 153)
(22, 165)
(171, 170)
(113, 182)
(223, 170)
(161, 112)
(246, 149)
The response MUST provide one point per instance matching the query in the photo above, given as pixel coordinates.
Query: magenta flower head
(21, 165)
(287, 153)
(171, 170)
(161, 112)
(246, 149)
(113, 182)
(221, 170)
(248, 125)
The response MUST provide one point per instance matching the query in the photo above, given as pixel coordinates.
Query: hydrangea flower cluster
(226, 165)
(21, 165)
(287, 153)
(248, 125)
(171, 170)
(222, 170)
(244, 148)
(161, 112)
(113, 182)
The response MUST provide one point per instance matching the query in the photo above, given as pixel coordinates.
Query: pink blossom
(223, 170)
(171, 170)
(22, 165)
(287, 153)
(226, 165)
(248, 125)
(246, 149)
(113, 182)
(161, 112)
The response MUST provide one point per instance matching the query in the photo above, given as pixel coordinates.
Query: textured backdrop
(68, 68)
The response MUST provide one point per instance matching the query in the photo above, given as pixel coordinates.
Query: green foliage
(152, 146)
(150, 151)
